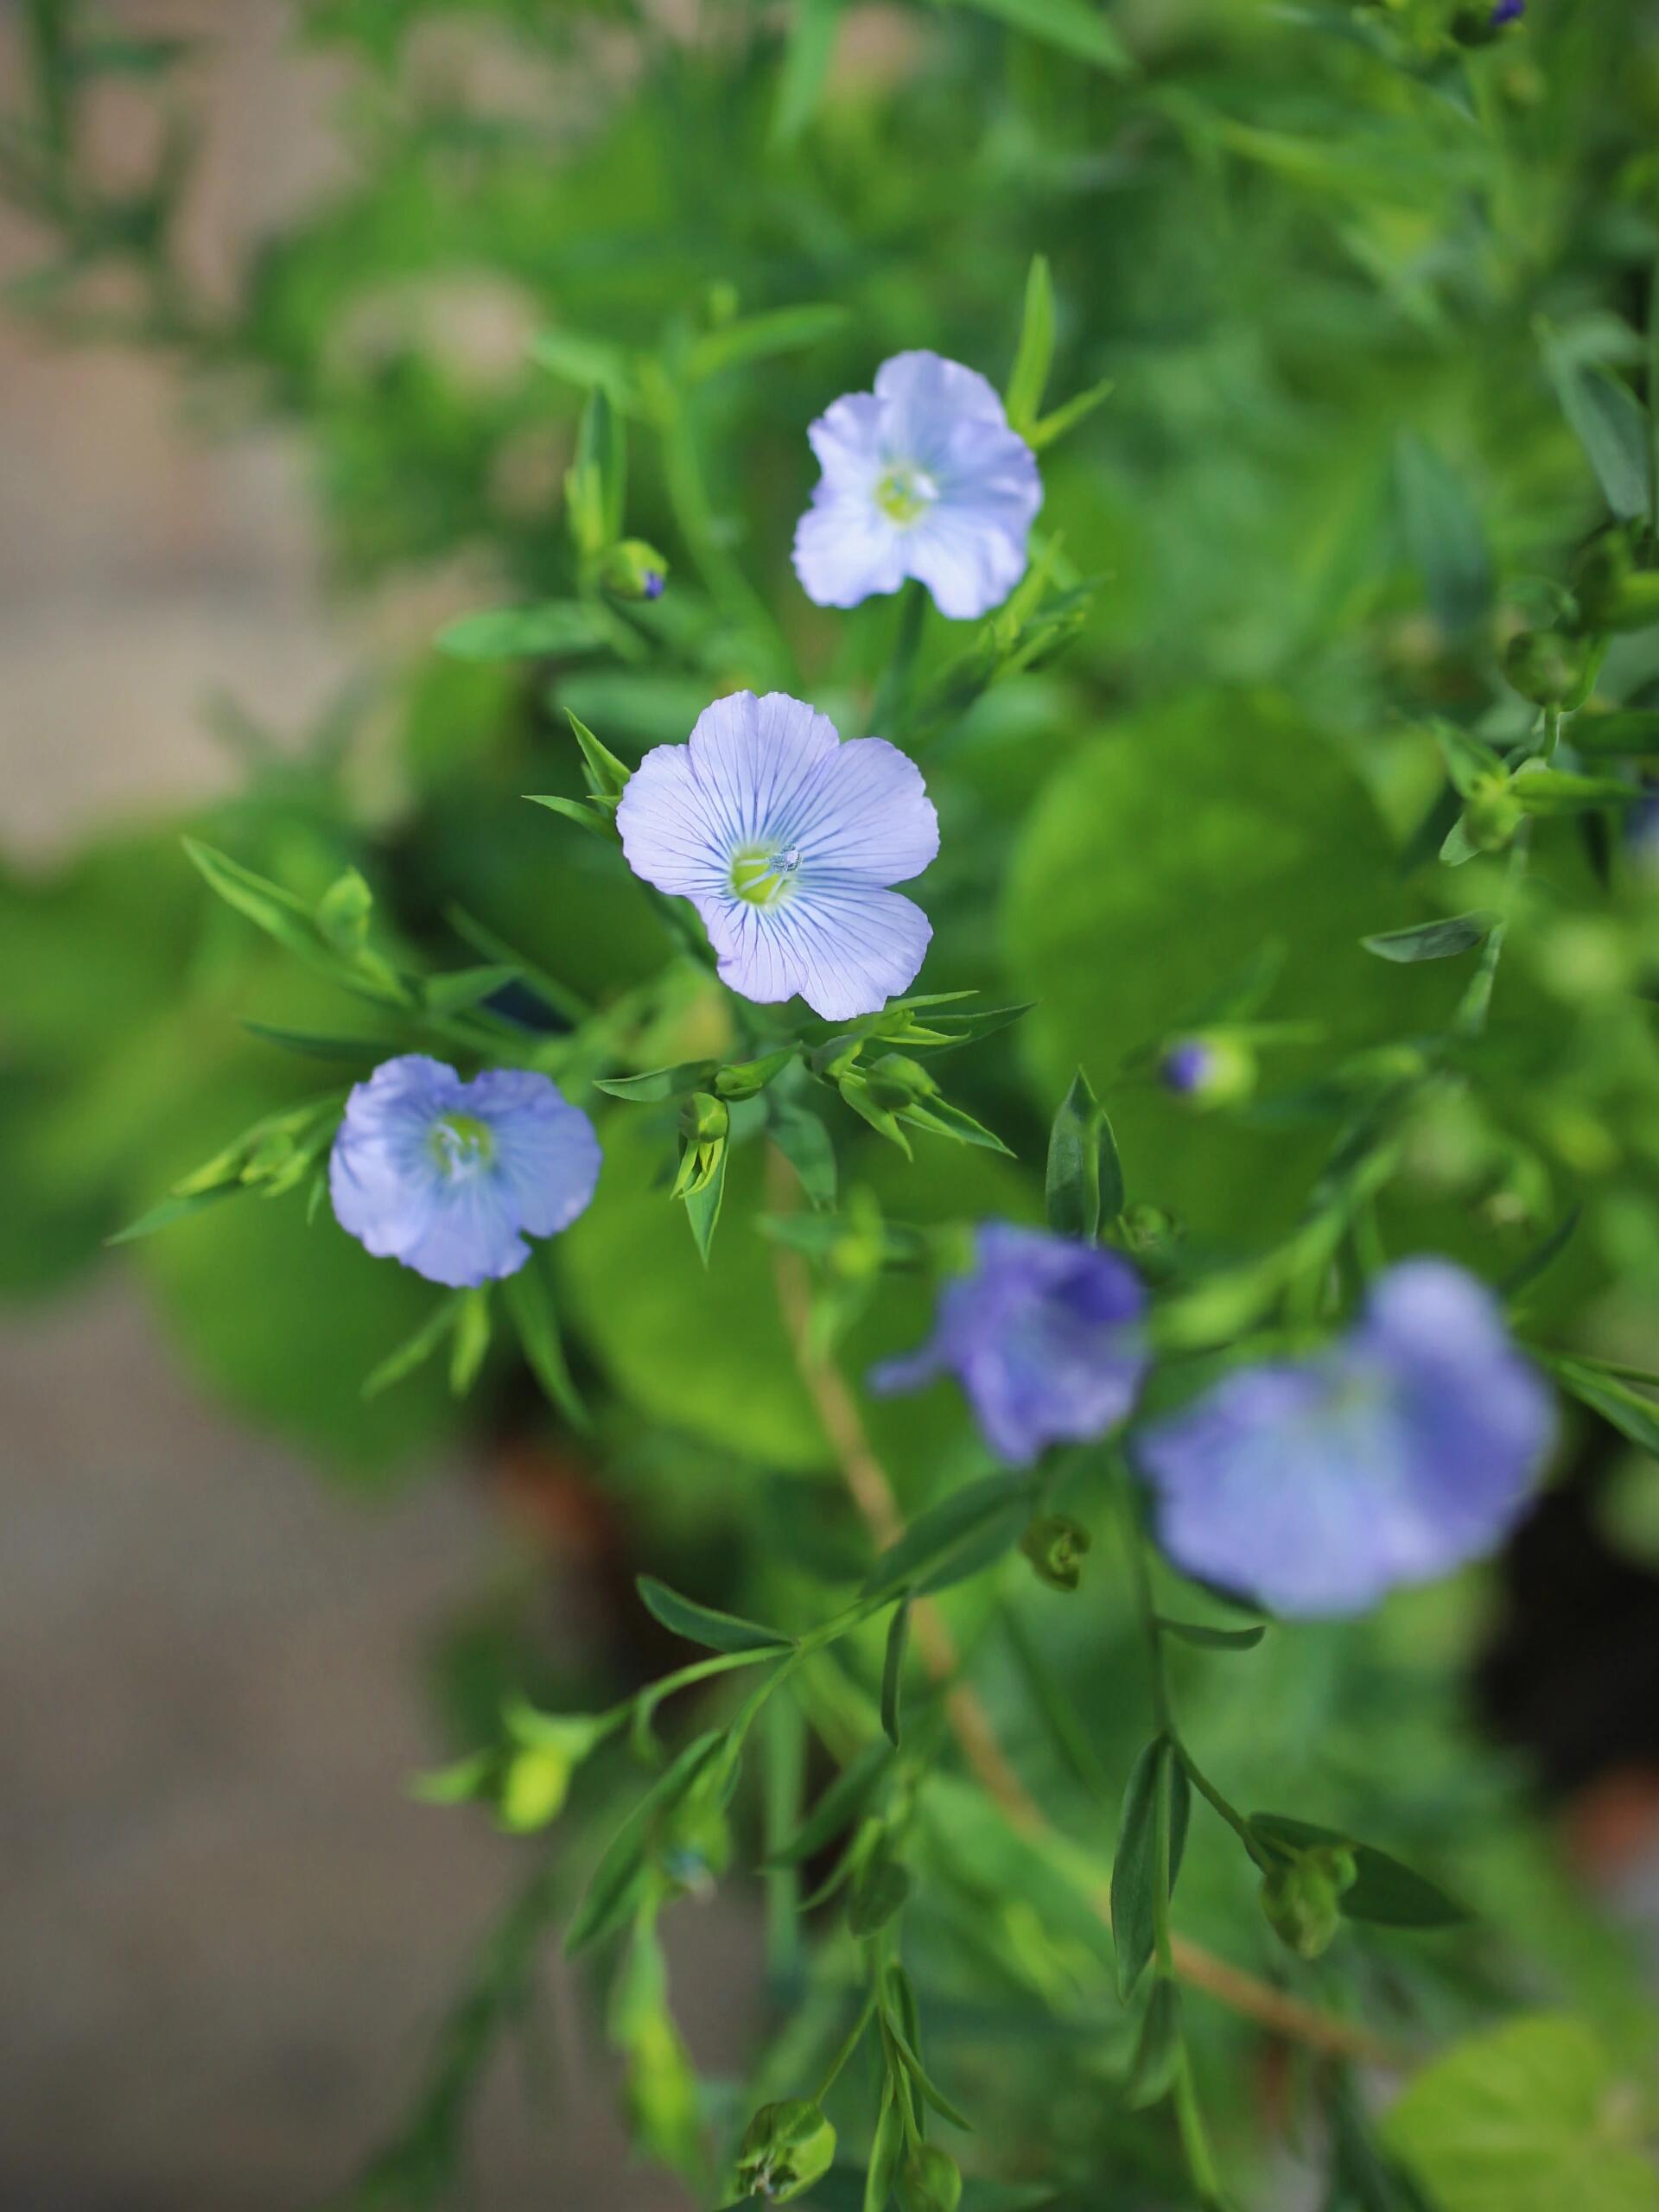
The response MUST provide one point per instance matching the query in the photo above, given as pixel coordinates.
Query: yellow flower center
(905, 492)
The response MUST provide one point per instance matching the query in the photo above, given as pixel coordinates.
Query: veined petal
(866, 813)
(546, 1149)
(845, 945)
(671, 829)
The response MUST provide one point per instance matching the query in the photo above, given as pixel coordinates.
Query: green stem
(853, 2037)
(1195, 2140)
(1207, 1789)
(886, 715)
(1140, 1581)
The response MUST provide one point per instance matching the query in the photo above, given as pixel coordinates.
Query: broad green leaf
(1383, 1890)
(1535, 2116)
(1432, 940)
(704, 1624)
(1444, 536)
(559, 626)
(1611, 425)
(961, 1535)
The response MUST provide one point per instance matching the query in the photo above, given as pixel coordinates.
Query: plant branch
(872, 1494)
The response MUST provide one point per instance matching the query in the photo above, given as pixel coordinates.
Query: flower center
(462, 1143)
(760, 878)
(905, 492)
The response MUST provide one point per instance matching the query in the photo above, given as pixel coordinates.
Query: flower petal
(546, 1151)
(846, 549)
(846, 946)
(865, 814)
(922, 397)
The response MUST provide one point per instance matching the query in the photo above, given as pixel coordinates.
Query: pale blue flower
(1405, 1449)
(784, 840)
(922, 478)
(451, 1177)
(1042, 1334)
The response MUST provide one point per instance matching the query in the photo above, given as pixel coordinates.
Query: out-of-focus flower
(451, 1177)
(924, 478)
(1042, 1335)
(1508, 11)
(784, 840)
(1404, 1450)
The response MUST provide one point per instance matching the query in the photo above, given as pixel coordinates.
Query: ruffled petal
(671, 827)
(922, 398)
(847, 440)
(546, 1150)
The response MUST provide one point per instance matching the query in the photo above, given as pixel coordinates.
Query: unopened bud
(1154, 1235)
(929, 2180)
(633, 569)
(1491, 814)
(1544, 665)
(1301, 1900)
(1212, 1070)
(785, 2148)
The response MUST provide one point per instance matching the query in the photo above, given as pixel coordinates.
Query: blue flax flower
(922, 478)
(1402, 1451)
(450, 1177)
(784, 840)
(1042, 1334)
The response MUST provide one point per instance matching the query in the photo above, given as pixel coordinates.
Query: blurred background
(228, 1637)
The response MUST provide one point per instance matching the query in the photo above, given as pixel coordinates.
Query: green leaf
(1158, 2052)
(1444, 536)
(811, 41)
(963, 1534)
(805, 1143)
(531, 1311)
(177, 1208)
(885, 2150)
(467, 986)
(1470, 761)
(1629, 730)
(612, 1888)
(587, 362)
(892, 1670)
(658, 1085)
(880, 1892)
(1136, 1874)
(561, 625)
(1632, 1414)
(1214, 1639)
(1544, 1255)
(1554, 791)
(1530, 2117)
(702, 1205)
(607, 775)
(757, 337)
(1035, 357)
(278, 913)
(1085, 1179)
(472, 1339)
(1068, 415)
(704, 1624)
(1611, 425)
(416, 1349)
(843, 1804)
(1432, 940)
(319, 1048)
(1383, 1890)
(584, 812)
(1075, 26)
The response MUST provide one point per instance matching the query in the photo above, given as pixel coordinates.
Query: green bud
(1635, 605)
(534, 1788)
(1154, 1235)
(785, 2148)
(929, 2180)
(1598, 576)
(1544, 665)
(633, 569)
(343, 911)
(1301, 1898)
(1215, 1070)
(1055, 1547)
(1491, 814)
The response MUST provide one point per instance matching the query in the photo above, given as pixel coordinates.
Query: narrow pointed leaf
(705, 1624)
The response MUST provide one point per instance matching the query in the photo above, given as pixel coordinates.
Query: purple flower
(922, 478)
(1507, 11)
(1042, 1336)
(1185, 1066)
(1402, 1451)
(450, 1177)
(784, 840)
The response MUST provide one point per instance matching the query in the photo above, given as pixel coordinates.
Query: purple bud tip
(651, 584)
(1186, 1067)
(1508, 11)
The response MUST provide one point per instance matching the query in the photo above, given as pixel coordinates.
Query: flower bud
(929, 2180)
(633, 569)
(785, 2148)
(534, 1788)
(1153, 1236)
(1544, 665)
(1055, 1547)
(1491, 814)
(1301, 1898)
(1210, 1070)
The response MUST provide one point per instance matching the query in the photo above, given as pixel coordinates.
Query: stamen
(905, 492)
(761, 877)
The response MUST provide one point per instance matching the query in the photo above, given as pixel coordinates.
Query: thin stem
(1195, 2140)
(886, 715)
(1140, 1581)
(853, 2037)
